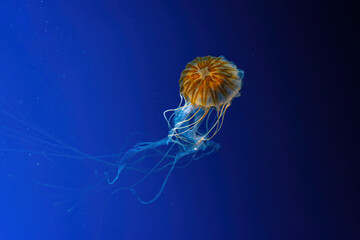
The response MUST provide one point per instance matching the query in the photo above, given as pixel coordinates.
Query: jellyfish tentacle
(125, 159)
(216, 124)
(190, 126)
(220, 125)
(177, 158)
(175, 110)
(186, 120)
(122, 165)
(194, 125)
(208, 117)
(52, 141)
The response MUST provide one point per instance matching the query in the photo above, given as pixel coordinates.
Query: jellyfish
(207, 87)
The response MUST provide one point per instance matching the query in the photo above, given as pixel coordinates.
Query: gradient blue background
(92, 72)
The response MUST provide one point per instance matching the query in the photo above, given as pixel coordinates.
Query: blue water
(97, 75)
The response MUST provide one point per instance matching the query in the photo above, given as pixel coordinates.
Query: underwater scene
(177, 120)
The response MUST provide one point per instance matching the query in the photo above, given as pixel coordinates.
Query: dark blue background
(93, 72)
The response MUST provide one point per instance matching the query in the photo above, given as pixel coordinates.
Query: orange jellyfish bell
(208, 85)
(210, 82)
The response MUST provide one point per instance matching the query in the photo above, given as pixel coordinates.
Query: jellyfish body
(207, 87)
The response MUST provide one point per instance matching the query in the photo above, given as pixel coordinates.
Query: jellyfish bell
(210, 82)
(207, 84)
